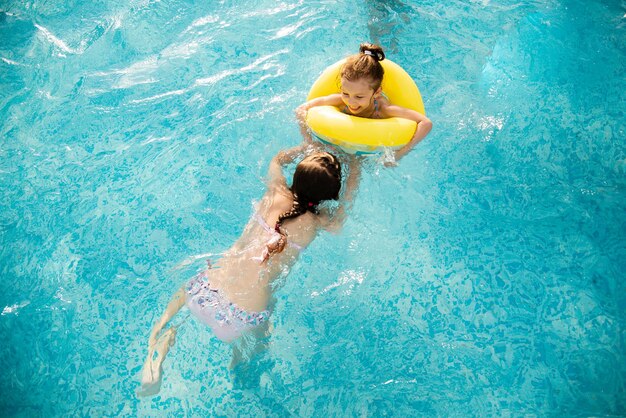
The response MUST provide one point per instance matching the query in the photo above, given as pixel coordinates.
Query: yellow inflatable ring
(358, 135)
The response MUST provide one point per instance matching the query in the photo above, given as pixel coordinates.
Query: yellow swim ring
(358, 135)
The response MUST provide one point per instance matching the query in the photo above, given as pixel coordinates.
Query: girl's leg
(255, 342)
(151, 373)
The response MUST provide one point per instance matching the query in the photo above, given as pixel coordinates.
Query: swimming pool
(483, 274)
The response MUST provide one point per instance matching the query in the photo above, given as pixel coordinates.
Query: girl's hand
(301, 112)
(424, 125)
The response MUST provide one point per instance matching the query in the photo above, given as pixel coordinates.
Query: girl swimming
(232, 298)
(361, 95)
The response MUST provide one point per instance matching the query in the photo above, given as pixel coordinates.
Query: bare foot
(152, 368)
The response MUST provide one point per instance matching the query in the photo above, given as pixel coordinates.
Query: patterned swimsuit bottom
(227, 320)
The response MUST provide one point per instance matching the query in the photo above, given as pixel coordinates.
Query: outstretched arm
(302, 110)
(275, 172)
(352, 182)
(354, 176)
(424, 125)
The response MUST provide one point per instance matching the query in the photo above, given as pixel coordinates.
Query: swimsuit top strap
(262, 222)
(294, 245)
(270, 230)
(376, 112)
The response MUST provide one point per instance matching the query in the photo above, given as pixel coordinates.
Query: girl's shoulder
(327, 221)
(383, 101)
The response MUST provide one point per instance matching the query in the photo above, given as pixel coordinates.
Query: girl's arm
(352, 182)
(301, 112)
(275, 172)
(424, 125)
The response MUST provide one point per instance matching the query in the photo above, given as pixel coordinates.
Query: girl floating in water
(361, 95)
(233, 297)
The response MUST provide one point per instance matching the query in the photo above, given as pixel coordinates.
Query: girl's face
(358, 95)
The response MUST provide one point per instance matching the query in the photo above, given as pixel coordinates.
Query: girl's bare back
(241, 273)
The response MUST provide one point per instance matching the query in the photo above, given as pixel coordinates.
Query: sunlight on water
(483, 273)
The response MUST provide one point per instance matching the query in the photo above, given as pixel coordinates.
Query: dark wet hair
(365, 64)
(317, 178)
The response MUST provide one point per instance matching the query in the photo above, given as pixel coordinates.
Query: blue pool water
(483, 276)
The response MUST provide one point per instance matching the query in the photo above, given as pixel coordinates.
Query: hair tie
(310, 204)
(376, 55)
